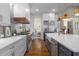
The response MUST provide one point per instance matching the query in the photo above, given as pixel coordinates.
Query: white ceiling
(47, 7)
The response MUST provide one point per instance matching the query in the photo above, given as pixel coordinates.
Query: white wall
(5, 13)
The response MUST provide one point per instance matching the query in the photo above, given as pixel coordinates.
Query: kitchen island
(68, 41)
(13, 46)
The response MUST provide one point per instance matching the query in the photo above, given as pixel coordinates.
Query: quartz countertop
(70, 41)
(7, 41)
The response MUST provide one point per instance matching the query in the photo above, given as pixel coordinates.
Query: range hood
(22, 20)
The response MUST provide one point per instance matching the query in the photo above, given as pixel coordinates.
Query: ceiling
(47, 7)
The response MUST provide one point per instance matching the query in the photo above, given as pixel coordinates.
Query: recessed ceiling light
(37, 9)
(11, 4)
(27, 10)
(53, 10)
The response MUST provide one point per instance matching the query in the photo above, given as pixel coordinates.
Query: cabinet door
(47, 44)
(64, 51)
(54, 48)
(20, 47)
(7, 51)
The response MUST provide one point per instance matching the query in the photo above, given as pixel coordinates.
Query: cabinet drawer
(7, 51)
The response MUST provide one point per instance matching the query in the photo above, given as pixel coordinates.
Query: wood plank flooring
(37, 48)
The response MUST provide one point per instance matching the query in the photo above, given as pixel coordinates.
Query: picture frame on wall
(7, 31)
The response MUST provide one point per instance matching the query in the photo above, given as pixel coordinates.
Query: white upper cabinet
(49, 22)
(5, 14)
(49, 16)
(46, 17)
(52, 16)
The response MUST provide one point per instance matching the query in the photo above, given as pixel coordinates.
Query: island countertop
(7, 41)
(70, 41)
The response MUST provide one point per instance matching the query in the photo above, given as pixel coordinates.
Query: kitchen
(55, 26)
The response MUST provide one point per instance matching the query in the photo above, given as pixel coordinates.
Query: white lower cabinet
(8, 51)
(16, 49)
(20, 47)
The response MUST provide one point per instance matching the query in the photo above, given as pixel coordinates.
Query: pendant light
(65, 16)
(77, 11)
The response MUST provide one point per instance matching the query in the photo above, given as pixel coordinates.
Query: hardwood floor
(37, 48)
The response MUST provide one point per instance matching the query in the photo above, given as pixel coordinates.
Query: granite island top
(70, 41)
